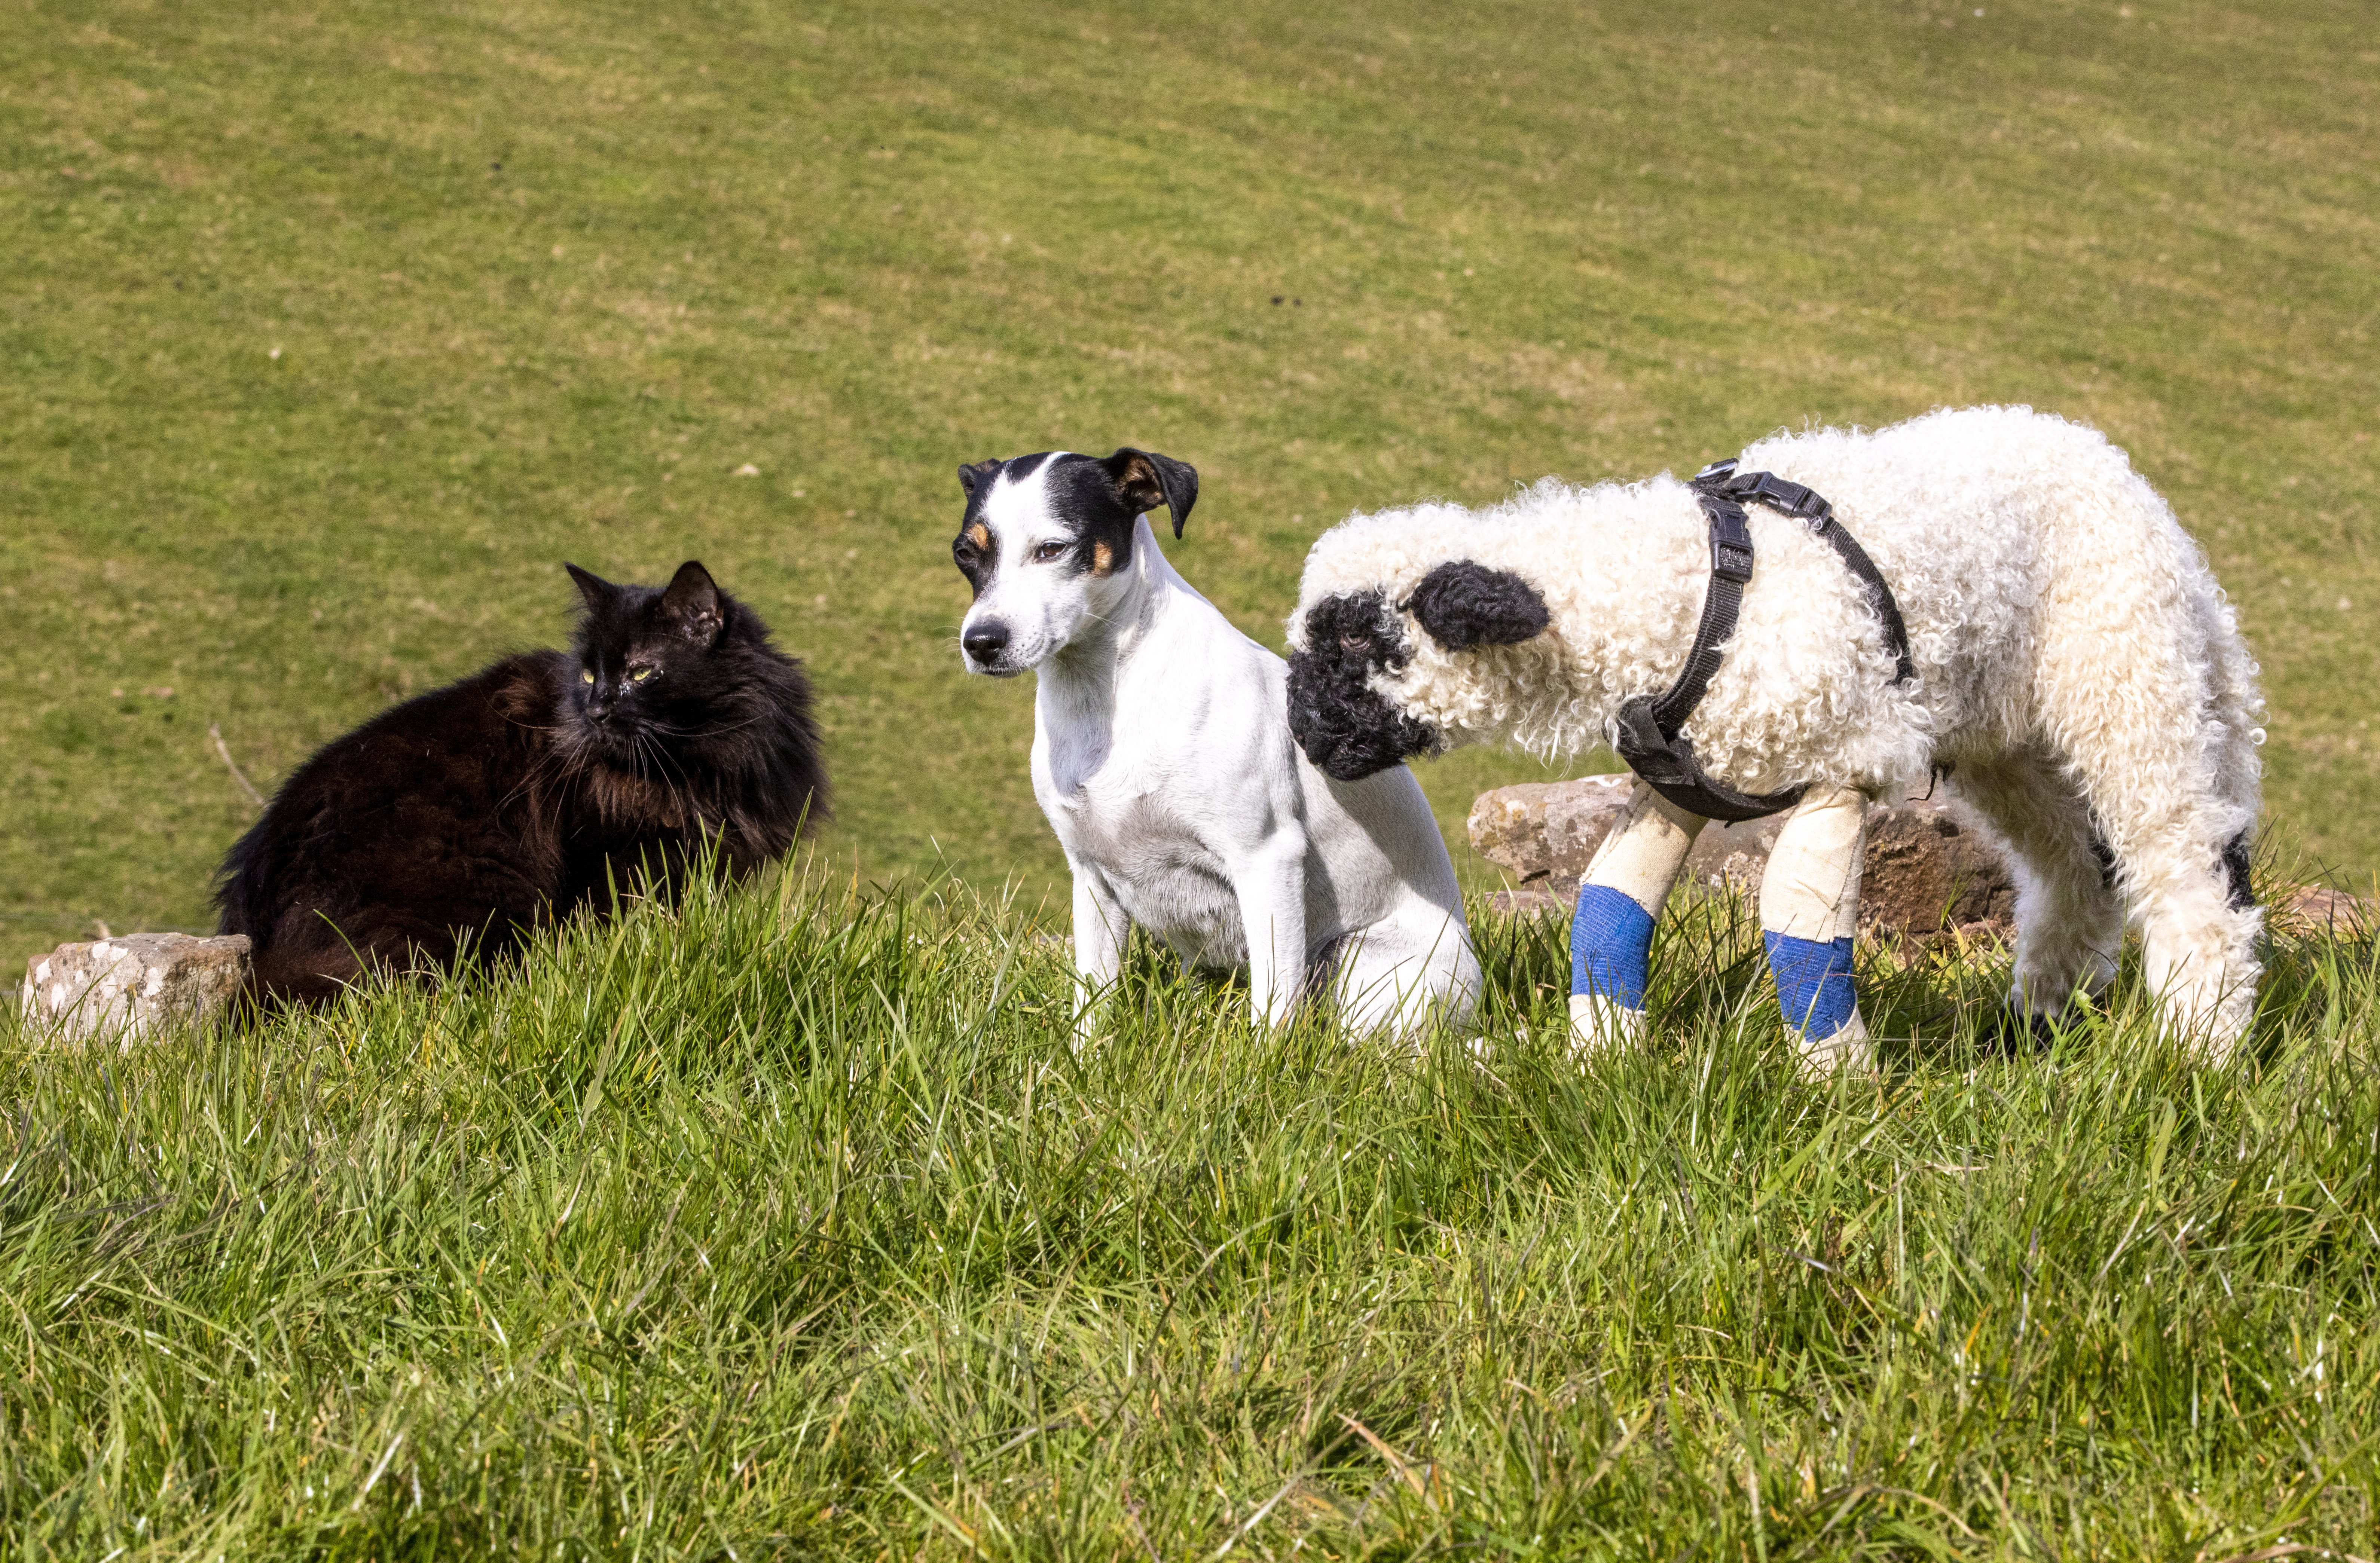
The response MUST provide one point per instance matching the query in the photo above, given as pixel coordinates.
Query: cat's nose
(985, 640)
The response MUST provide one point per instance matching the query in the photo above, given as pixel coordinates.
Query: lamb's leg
(1809, 912)
(2181, 854)
(2146, 693)
(1621, 895)
(2069, 924)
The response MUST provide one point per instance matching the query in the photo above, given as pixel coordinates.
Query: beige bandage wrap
(1640, 858)
(1810, 890)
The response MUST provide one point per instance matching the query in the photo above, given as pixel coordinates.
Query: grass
(332, 331)
(789, 1225)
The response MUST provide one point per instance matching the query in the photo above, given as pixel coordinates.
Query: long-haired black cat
(478, 811)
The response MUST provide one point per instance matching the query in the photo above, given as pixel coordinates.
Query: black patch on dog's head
(1344, 725)
(1467, 604)
(1099, 500)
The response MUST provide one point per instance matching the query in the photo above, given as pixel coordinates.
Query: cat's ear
(593, 587)
(691, 604)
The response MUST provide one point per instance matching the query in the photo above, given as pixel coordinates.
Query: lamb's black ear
(1148, 480)
(593, 587)
(691, 603)
(1467, 604)
(974, 477)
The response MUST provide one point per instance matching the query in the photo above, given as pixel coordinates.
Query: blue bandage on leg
(1611, 943)
(1814, 983)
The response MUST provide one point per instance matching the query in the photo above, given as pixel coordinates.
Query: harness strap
(1651, 727)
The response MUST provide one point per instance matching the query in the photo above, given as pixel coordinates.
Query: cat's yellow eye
(638, 675)
(587, 675)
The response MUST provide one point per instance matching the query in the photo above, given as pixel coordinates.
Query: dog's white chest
(1118, 817)
(1153, 861)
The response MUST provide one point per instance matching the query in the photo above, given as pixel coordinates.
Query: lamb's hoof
(2019, 1033)
(1849, 1047)
(1597, 1024)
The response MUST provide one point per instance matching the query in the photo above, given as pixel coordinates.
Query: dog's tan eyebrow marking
(1102, 559)
(979, 534)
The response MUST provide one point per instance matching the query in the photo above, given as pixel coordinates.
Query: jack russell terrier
(1163, 758)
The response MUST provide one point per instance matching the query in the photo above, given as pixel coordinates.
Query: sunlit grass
(542, 279)
(790, 1224)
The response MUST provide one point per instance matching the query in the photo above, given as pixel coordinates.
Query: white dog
(1162, 756)
(2070, 665)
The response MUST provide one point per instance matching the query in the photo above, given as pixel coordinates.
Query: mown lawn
(792, 1226)
(331, 332)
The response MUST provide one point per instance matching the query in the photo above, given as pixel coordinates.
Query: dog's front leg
(1101, 928)
(1272, 891)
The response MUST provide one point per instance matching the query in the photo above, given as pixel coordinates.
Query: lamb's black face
(1346, 727)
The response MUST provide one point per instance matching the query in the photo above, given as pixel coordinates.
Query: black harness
(1651, 737)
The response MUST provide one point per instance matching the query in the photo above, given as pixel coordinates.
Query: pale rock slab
(1928, 870)
(134, 986)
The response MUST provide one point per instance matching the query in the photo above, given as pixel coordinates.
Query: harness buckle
(1805, 503)
(1731, 540)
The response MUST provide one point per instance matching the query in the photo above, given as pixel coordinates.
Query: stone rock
(1929, 869)
(2321, 909)
(134, 986)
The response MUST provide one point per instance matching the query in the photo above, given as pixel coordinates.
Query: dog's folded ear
(974, 477)
(1467, 604)
(1147, 481)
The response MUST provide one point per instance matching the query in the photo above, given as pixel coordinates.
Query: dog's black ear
(974, 477)
(1467, 604)
(1147, 481)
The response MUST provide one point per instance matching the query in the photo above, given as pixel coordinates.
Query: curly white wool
(2075, 661)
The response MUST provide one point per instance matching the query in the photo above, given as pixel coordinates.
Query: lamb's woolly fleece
(2055, 607)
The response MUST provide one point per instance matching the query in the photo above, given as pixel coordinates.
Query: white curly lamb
(2079, 677)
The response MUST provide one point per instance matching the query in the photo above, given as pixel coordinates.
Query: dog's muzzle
(985, 644)
(1344, 725)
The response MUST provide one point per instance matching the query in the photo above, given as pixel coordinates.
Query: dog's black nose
(986, 640)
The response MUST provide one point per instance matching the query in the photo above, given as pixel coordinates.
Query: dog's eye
(1355, 643)
(1048, 551)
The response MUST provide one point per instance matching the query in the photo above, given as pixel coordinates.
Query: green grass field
(792, 1227)
(333, 332)
(788, 1224)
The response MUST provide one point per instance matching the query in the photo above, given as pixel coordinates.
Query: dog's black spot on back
(1346, 727)
(1464, 604)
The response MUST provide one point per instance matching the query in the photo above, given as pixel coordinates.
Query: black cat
(476, 812)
